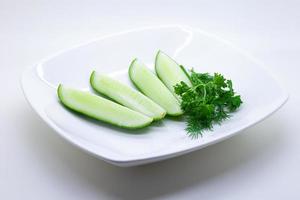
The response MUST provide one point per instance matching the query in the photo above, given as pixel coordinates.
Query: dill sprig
(209, 100)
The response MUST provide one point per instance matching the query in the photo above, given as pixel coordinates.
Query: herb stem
(209, 105)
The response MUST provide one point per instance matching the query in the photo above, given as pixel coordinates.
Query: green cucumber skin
(186, 73)
(140, 89)
(130, 127)
(156, 115)
(188, 82)
(92, 77)
(130, 74)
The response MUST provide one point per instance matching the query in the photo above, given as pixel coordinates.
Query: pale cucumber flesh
(169, 72)
(149, 84)
(126, 96)
(101, 109)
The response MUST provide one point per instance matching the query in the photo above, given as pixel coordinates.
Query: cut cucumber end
(125, 95)
(101, 109)
(59, 92)
(131, 69)
(150, 85)
(92, 77)
(163, 114)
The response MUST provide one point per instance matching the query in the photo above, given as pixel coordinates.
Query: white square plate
(112, 54)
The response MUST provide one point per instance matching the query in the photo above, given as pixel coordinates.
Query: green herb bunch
(209, 100)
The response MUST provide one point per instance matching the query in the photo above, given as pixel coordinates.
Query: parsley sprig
(209, 100)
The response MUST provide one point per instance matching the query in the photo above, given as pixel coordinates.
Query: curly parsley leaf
(209, 100)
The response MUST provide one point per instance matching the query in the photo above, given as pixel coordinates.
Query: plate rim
(282, 99)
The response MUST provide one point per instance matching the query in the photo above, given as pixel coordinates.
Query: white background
(262, 162)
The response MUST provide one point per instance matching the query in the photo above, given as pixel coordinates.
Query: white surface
(261, 163)
(260, 92)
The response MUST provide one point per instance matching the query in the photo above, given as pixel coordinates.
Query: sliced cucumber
(169, 72)
(126, 96)
(101, 108)
(149, 84)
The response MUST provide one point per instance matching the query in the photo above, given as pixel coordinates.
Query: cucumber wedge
(126, 96)
(169, 72)
(101, 109)
(149, 84)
